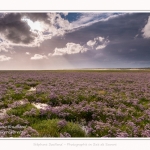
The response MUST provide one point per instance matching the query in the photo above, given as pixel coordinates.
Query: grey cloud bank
(91, 41)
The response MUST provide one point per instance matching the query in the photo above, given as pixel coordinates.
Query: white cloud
(87, 19)
(146, 29)
(27, 53)
(57, 26)
(38, 57)
(99, 39)
(100, 47)
(42, 31)
(91, 43)
(4, 58)
(4, 44)
(65, 13)
(71, 48)
(98, 43)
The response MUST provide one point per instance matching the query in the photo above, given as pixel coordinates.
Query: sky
(68, 40)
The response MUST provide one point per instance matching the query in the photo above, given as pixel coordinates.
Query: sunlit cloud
(34, 25)
(71, 48)
(27, 53)
(38, 57)
(98, 43)
(4, 58)
(146, 29)
(74, 39)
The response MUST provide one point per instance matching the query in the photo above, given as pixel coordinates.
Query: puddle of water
(32, 89)
(3, 111)
(40, 105)
(19, 103)
(23, 102)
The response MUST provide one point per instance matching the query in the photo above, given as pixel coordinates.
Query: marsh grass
(50, 128)
(18, 111)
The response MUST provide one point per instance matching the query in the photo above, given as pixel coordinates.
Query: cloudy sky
(74, 40)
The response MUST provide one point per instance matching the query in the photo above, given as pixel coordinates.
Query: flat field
(75, 103)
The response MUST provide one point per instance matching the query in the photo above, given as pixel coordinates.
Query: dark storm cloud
(126, 47)
(124, 34)
(18, 31)
(1, 15)
(15, 29)
(37, 17)
(121, 32)
(123, 27)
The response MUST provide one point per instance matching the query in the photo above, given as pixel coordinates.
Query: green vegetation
(50, 128)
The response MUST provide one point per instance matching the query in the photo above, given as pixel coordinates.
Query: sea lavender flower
(146, 133)
(62, 123)
(122, 134)
(65, 134)
(32, 112)
(29, 132)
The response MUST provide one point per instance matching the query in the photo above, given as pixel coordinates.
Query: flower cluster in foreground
(75, 104)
